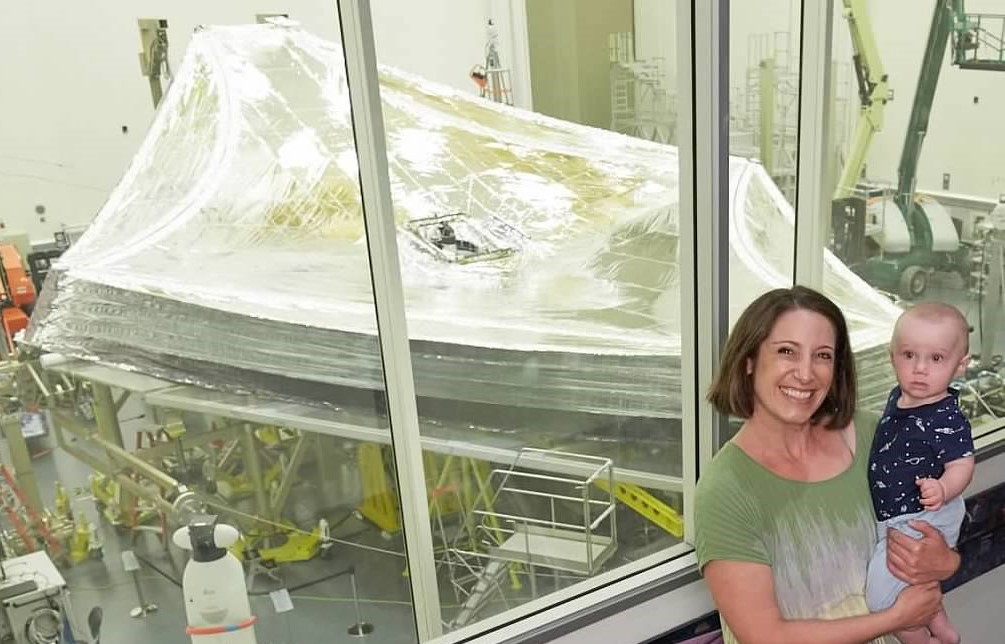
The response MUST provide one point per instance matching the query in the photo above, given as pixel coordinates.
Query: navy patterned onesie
(912, 444)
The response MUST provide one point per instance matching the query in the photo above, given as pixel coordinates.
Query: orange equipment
(29, 526)
(17, 294)
(481, 79)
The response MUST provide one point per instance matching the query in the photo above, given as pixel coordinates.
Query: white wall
(70, 79)
(655, 33)
(964, 139)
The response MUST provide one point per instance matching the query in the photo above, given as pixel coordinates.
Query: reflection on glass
(764, 89)
(763, 127)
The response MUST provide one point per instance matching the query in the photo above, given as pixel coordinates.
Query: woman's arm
(917, 561)
(744, 593)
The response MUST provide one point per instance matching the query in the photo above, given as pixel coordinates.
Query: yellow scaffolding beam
(647, 505)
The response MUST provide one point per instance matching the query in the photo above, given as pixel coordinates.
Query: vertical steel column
(253, 463)
(833, 156)
(767, 84)
(813, 196)
(703, 126)
(994, 256)
(105, 416)
(378, 214)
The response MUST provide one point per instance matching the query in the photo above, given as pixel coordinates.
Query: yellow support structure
(647, 505)
(298, 545)
(380, 506)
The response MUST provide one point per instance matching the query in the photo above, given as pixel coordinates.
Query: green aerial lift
(873, 93)
(975, 45)
(848, 206)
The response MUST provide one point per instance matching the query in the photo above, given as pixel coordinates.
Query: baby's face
(927, 355)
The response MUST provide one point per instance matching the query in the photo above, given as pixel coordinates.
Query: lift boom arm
(874, 93)
(943, 24)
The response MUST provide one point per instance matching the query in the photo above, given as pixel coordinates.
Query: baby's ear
(962, 367)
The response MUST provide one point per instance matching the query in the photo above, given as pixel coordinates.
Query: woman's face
(794, 368)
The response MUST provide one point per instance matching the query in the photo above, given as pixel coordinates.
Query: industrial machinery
(17, 294)
(919, 237)
(492, 79)
(848, 210)
(154, 63)
(216, 599)
(873, 90)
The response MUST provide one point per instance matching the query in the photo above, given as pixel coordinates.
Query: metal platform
(555, 548)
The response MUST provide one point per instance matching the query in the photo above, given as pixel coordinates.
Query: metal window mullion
(522, 92)
(813, 194)
(703, 32)
(368, 127)
(690, 349)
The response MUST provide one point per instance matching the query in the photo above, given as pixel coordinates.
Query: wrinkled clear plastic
(539, 257)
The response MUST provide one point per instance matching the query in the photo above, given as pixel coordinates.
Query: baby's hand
(933, 495)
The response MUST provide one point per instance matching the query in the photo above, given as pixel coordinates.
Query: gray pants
(881, 587)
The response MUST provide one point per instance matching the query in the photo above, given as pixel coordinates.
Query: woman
(783, 519)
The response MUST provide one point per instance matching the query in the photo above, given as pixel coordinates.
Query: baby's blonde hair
(937, 312)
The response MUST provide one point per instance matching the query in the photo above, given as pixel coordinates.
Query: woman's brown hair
(732, 390)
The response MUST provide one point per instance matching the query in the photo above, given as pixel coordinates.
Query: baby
(922, 457)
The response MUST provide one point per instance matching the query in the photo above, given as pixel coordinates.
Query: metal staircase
(537, 516)
(488, 584)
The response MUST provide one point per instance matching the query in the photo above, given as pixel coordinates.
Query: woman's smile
(798, 394)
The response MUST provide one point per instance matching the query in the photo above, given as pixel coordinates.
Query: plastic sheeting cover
(539, 257)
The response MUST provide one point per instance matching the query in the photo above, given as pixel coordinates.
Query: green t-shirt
(817, 537)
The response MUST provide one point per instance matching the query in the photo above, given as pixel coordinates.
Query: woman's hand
(922, 560)
(917, 605)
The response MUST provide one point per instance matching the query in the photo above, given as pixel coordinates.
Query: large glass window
(540, 275)
(912, 215)
(209, 346)
(215, 324)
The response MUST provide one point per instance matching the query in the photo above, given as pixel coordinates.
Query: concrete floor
(322, 612)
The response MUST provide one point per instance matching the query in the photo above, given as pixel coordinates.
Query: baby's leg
(881, 587)
(943, 629)
(916, 636)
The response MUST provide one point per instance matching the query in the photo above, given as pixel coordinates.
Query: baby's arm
(955, 479)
